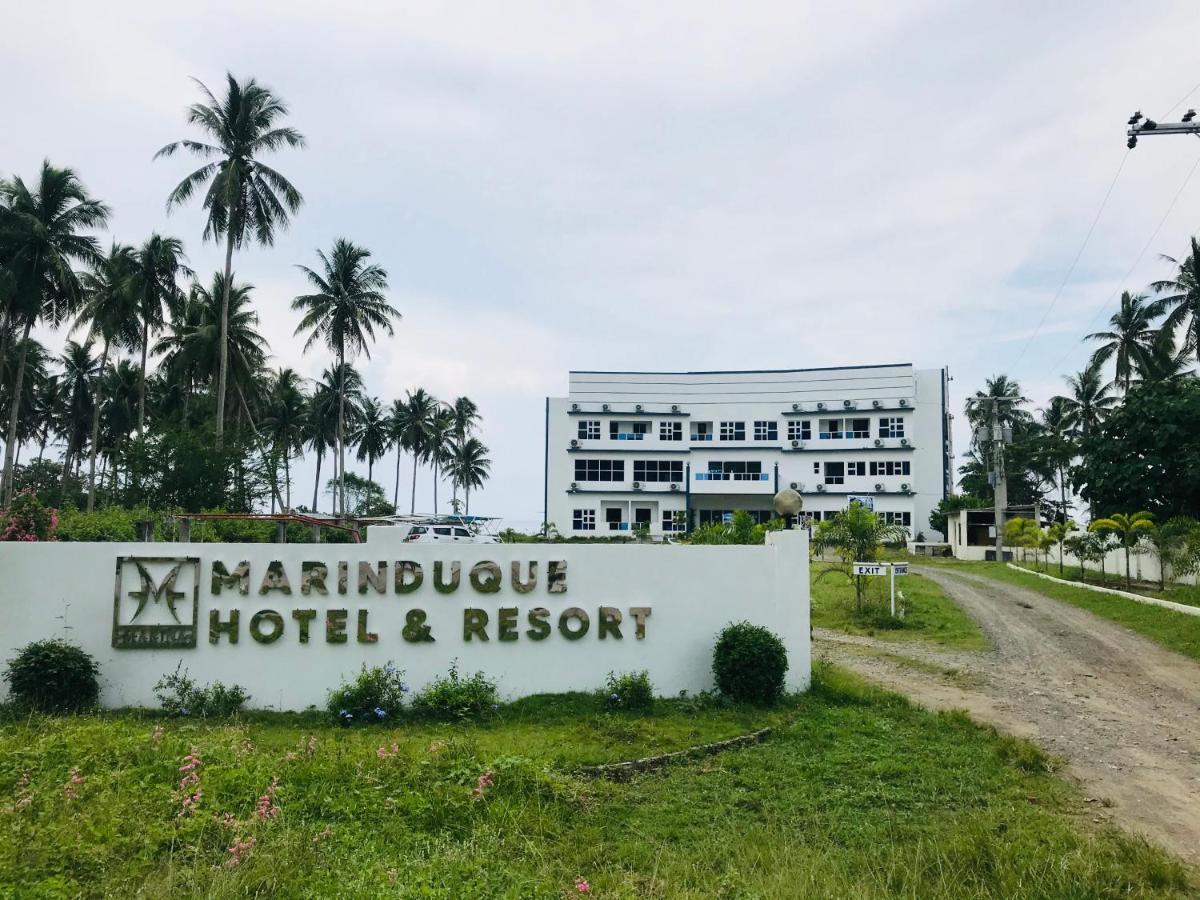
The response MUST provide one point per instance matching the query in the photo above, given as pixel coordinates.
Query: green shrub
(178, 695)
(53, 676)
(749, 663)
(375, 695)
(453, 697)
(629, 690)
(111, 523)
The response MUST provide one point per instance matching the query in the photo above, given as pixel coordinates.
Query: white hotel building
(674, 450)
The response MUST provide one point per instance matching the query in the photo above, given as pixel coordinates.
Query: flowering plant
(27, 520)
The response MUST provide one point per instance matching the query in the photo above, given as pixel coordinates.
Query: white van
(445, 534)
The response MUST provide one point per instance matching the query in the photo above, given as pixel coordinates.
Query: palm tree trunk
(413, 509)
(142, 379)
(435, 481)
(467, 495)
(370, 468)
(11, 438)
(1128, 579)
(317, 481)
(341, 449)
(287, 478)
(91, 504)
(62, 491)
(396, 492)
(224, 367)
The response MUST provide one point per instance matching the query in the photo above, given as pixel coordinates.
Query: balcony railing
(628, 436)
(702, 437)
(732, 476)
(618, 526)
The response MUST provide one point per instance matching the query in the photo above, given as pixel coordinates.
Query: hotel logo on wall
(156, 602)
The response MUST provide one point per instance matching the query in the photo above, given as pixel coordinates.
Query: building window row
(891, 467)
(897, 518)
(653, 470)
(670, 431)
(599, 470)
(799, 430)
(734, 470)
(733, 431)
(764, 430)
(583, 520)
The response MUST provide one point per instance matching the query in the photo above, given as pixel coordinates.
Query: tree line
(211, 425)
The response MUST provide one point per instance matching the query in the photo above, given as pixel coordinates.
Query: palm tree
(110, 313)
(470, 466)
(287, 413)
(320, 429)
(343, 314)
(1183, 293)
(372, 434)
(1128, 529)
(29, 405)
(159, 262)
(1164, 362)
(413, 430)
(1057, 445)
(119, 393)
(1005, 394)
(42, 238)
(79, 369)
(439, 441)
(1131, 339)
(466, 417)
(1090, 400)
(245, 199)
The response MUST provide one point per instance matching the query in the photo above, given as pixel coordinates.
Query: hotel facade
(670, 451)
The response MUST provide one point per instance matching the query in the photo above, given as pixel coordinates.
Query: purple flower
(615, 698)
(379, 712)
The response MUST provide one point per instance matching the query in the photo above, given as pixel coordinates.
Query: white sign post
(889, 569)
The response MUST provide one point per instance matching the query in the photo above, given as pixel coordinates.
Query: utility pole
(1141, 127)
(999, 485)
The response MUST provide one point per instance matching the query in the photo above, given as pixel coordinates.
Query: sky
(674, 186)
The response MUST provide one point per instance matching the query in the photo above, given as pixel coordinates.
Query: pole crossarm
(1139, 127)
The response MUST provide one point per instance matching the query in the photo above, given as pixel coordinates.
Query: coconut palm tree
(320, 429)
(344, 312)
(1128, 528)
(1131, 338)
(119, 392)
(412, 429)
(73, 417)
(244, 199)
(287, 411)
(439, 442)
(469, 467)
(159, 263)
(1090, 400)
(42, 232)
(1181, 295)
(109, 312)
(466, 417)
(372, 434)
(1005, 394)
(1056, 445)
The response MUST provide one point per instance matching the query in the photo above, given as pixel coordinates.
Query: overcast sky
(654, 186)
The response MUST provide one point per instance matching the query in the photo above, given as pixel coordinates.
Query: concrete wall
(52, 590)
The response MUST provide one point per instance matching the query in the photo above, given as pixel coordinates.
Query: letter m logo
(156, 602)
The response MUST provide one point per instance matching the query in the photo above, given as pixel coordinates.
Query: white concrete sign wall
(289, 622)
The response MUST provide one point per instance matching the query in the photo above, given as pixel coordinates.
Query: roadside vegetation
(1176, 592)
(856, 793)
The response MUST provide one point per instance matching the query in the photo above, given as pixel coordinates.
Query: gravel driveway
(1123, 711)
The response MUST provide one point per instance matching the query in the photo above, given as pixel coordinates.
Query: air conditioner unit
(795, 485)
(604, 407)
(638, 407)
(904, 403)
(574, 486)
(879, 486)
(795, 443)
(848, 404)
(876, 404)
(674, 487)
(821, 488)
(821, 406)
(903, 442)
(674, 407)
(906, 487)
(637, 485)
(878, 442)
(796, 407)
(574, 442)
(575, 407)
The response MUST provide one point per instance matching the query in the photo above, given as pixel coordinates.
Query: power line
(1078, 255)
(1137, 261)
(1182, 100)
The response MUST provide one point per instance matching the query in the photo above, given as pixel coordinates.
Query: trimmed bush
(749, 663)
(629, 690)
(452, 697)
(179, 696)
(53, 676)
(376, 695)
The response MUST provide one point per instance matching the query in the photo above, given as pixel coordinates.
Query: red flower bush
(27, 520)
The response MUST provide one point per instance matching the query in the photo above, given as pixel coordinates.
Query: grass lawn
(857, 794)
(1179, 593)
(1174, 630)
(930, 614)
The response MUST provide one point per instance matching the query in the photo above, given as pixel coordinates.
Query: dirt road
(1122, 710)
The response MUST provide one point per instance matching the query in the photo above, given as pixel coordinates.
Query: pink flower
(239, 850)
(267, 809)
(482, 784)
(73, 783)
(582, 886)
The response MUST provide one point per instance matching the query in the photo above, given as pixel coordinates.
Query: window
(733, 431)
(628, 431)
(897, 518)
(835, 473)
(583, 520)
(670, 431)
(891, 468)
(858, 428)
(461, 533)
(641, 516)
(657, 470)
(589, 430)
(599, 470)
(766, 431)
(816, 468)
(725, 516)
(446, 532)
(702, 431)
(831, 429)
(890, 427)
(856, 468)
(674, 520)
(800, 430)
(739, 470)
(612, 518)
